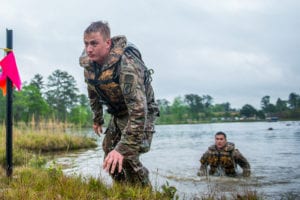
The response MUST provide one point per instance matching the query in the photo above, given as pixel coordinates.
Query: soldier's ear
(108, 43)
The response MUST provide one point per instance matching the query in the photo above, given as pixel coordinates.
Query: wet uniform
(223, 161)
(123, 85)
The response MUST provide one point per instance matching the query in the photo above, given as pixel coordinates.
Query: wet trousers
(133, 171)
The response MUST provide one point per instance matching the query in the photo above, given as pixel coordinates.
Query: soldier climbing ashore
(117, 78)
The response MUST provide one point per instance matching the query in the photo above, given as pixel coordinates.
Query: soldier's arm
(133, 89)
(153, 110)
(242, 162)
(96, 106)
(203, 165)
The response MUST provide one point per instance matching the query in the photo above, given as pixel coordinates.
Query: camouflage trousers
(133, 171)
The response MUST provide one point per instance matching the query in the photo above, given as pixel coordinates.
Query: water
(274, 156)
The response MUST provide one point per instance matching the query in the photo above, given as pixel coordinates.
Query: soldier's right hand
(246, 172)
(97, 129)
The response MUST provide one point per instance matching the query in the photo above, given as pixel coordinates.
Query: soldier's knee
(143, 175)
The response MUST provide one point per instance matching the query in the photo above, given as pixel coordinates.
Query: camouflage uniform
(122, 83)
(223, 161)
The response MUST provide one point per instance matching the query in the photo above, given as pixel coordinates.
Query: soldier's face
(97, 48)
(220, 141)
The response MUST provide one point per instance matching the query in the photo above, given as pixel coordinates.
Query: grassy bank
(39, 184)
(28, 142)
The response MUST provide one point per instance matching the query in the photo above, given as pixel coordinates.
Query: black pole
(9, 101)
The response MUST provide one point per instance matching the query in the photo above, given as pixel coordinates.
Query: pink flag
(10, 70)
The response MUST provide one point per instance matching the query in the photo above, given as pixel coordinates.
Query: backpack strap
(131, 49)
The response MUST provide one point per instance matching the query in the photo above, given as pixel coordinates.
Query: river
(272, 149)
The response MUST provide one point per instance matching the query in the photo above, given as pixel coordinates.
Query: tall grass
(33, 138)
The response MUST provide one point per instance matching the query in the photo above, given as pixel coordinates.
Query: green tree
(81, 114)
(61, 93)
(38, 82)
(266, 106)
(227, 109)
(248, 111)
(281, 105)
(195, 104)
(83, 100)
(218, 108)
(29, 102)
(265, 101)
(207, 102)
(294, 101)
(178, 110)
(164, 111)
(223, 107)
(261, 115)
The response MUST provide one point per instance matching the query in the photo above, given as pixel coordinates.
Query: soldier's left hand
(111, 161)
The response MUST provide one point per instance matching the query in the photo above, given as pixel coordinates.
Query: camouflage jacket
(123, 84)
(225, 160)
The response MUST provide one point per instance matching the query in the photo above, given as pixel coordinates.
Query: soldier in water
(222, 159)
(117, 77)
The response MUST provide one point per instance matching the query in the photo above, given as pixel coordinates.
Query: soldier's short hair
(99, 26)
(221, 133)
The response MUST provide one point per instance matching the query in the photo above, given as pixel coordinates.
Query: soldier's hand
(97, 129)
(201, 173)
(111, 161)
(246, 172)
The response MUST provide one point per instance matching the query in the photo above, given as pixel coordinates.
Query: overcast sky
(236, 51)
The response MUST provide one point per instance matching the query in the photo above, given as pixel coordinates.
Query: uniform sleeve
(203, 164)
(153, 110)
(133, 90)
(96, 106)
(242, 162)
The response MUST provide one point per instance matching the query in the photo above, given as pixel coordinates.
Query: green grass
(29, 142)
(54, 142)
(34, 184)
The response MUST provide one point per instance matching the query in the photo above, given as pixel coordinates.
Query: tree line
(193, 108)
(58, 98)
